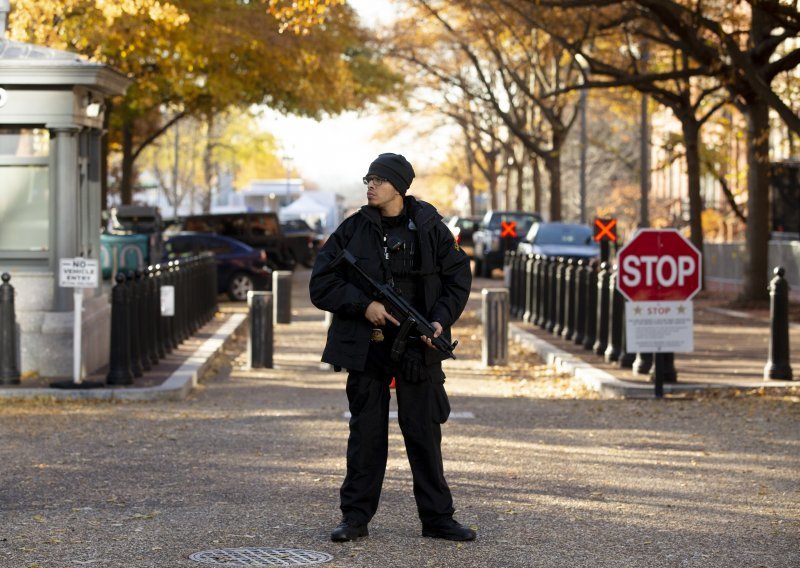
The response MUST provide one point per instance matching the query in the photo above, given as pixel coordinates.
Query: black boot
(448, 529)
(347, 531)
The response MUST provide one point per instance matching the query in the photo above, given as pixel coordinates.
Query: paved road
(255, 459)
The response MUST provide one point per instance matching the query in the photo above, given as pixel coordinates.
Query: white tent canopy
(309, 209)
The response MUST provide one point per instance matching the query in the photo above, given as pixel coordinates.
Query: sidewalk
(730, 351)
(172, 378)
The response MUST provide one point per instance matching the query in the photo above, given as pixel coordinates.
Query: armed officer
(402, 241)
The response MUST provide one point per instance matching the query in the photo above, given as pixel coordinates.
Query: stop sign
(659, 265)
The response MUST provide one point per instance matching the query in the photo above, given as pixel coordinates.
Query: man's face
(380, 192)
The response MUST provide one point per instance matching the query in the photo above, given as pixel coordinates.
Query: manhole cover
(261, 557)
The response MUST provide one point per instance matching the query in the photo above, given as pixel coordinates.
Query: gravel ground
(547, 474)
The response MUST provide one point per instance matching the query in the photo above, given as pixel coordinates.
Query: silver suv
(499, 231)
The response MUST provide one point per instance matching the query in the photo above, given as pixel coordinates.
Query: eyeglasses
(374, 179)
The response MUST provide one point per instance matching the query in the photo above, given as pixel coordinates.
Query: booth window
(25, 189)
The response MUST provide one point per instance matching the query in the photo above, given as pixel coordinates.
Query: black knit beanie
(395, 168)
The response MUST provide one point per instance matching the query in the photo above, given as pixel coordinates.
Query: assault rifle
(399, 308)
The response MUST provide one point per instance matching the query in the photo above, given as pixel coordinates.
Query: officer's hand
(438, 331)
(377, 315)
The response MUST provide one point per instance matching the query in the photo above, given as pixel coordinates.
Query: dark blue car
(568, 240)
(240, 268)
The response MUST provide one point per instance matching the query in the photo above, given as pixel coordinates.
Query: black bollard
(260, 343)
(282, 289)
(561, 296)
(535, 267)
(643, 363)
(626, 359)
(552, 295)
(580, 303)
(542, 293)
(9, 366)
(119, 367)
(511, 274)
(568, 331)
(615, 317)
(778, 364)
(134, 337)
(590, 329)
(495, 310)
(529, 288)
(601, 333)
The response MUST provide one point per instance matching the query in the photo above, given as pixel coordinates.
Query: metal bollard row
(577, 300)
(143, 329)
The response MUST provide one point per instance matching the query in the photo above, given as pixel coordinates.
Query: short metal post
(642, 364)
(561, 296)
(601, 333)
(616, 306)
(580, 303)
(568, 329)
(260, 339)
(282, 290)
(552, 295)
(542, 294)
(133, 325)
(778, 364)
(495, 309)
(119, 367)
(9, 366)
(530, 282)
(590, 329)
(626, 359)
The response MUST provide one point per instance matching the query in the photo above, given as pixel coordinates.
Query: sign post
(605, 232)
(77, 273)
(659, 273)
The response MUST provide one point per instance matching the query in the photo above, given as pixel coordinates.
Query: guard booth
(52, 106)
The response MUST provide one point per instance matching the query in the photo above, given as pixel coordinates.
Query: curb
(593, 378)
(605, 383)
(176, 387)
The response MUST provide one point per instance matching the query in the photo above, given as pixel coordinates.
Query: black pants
(422, 408)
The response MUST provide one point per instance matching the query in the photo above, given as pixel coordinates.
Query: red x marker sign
(605, 230)
(508, 228)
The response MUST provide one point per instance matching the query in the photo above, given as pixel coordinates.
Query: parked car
(259, 230)
(463, 228)
(498, 232)
(296, 230)
(240, 268)
(569, 240)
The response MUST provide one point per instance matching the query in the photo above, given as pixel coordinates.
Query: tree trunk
(691, 139)
(520, 167)
(537, 185)
(208, 167)
(126, 183)
(553, 165)
(491, 179)
(757, 231)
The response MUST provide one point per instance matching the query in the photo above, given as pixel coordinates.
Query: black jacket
(446, 280)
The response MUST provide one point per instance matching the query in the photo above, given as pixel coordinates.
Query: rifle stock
(398, 306)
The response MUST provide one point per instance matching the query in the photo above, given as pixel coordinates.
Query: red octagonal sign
(659, 265)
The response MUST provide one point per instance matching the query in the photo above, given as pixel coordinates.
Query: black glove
(412, 367)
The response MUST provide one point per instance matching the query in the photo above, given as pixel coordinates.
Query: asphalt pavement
(245, 469)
